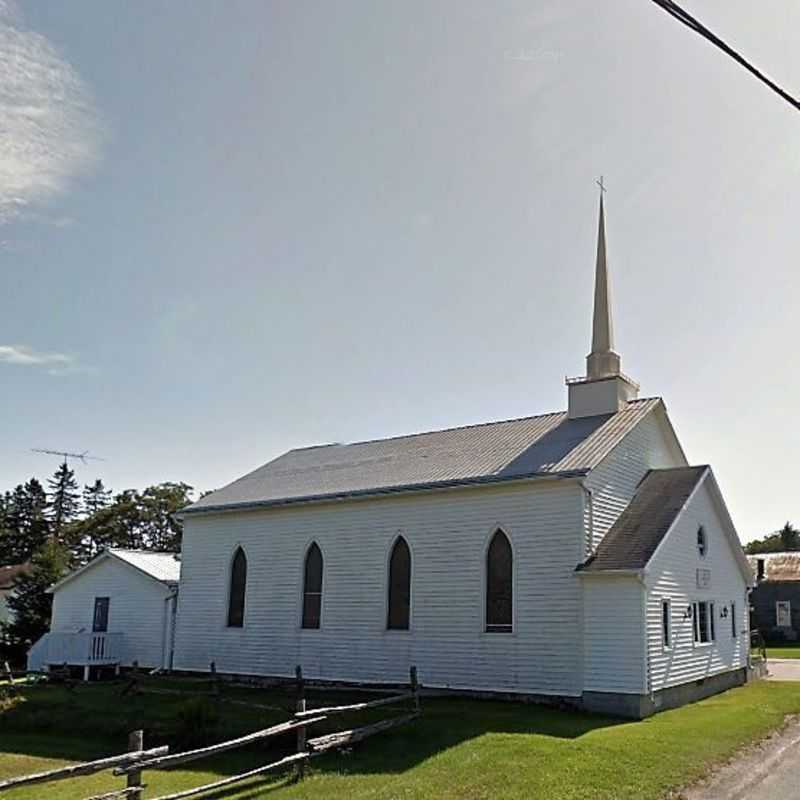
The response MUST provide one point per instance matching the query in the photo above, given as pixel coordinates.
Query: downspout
(589, 501)
(169, 629)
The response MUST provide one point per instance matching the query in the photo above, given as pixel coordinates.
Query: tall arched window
(499, 584)
(237, 590)
(312, 587)
(399, 586)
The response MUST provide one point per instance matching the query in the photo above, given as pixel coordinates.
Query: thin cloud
(55, 363)
(49, 128)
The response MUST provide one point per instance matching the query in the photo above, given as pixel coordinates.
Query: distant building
(8, 575)
(775, 602)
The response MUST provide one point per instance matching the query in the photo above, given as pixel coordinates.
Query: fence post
(414, 686)
(135, 742)
(214, 680)
(300, 768)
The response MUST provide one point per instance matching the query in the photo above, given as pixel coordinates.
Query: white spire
(602, 361)
(604, 390)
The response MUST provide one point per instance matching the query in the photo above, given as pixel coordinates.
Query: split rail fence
(132, 764)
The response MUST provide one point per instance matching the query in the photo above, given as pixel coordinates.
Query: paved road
(783, 669)
(769, 771)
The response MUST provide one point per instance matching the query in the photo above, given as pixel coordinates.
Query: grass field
(459, 749)
(783, 650)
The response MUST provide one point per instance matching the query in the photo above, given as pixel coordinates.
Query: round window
(702, 543)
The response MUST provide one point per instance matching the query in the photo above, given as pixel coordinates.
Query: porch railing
(84, 649)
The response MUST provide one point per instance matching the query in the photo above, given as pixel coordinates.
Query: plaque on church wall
(703, 578)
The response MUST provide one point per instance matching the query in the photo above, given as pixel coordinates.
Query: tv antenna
(82, 457)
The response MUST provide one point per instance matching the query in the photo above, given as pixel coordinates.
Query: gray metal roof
(164, 567)
(550, 444)
(634, 537)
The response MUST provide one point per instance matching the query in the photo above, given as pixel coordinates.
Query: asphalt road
(769, 771)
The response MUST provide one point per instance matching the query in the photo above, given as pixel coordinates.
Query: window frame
(387, 594)
(303, 582)
(666, 623)
(228, 626)
(708, 606)
(701, 542)
(734, 628)
(510, 629)
(103, 601)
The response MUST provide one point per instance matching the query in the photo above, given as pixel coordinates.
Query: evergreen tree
(29, 603)
(790, 537)
(23, 525)
(95, 497)
(88, 536)
(65, 500)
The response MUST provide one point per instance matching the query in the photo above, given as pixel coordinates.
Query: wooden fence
(132, 764)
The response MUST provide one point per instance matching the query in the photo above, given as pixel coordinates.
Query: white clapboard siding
(614, 647)
(136, 608)
(650, 445)
(447, 532)
(673, 574)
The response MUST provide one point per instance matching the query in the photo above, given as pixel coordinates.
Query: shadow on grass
(445, 723)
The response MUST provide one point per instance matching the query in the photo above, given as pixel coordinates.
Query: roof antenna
(82, 457)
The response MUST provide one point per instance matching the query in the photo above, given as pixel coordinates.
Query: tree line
(55, 529)
(787, 539)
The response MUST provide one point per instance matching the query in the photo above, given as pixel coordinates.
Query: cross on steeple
(601, 185)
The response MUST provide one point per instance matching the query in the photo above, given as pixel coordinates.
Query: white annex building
(116, 610)
(573, 555)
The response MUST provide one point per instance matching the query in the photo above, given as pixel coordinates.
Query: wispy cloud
(49, 129)
(55, 363)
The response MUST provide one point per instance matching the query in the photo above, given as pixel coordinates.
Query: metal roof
(783, 566)
(545, 445)
(639, 529)
(164, 567)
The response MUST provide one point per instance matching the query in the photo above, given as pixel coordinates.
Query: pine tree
(95, 497)
(65, 500)
(23, 525)
(790, 537)
(29, 603)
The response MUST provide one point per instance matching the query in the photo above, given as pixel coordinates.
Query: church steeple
(602, 361)
(605, 389)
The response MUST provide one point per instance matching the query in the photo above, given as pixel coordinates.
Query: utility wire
(674, 10)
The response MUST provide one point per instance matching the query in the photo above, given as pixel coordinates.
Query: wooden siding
(614, 647)
(448, 533)
(136, 608)
(672, 574)
(650, 445)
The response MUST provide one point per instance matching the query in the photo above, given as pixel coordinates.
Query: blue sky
(231, 229)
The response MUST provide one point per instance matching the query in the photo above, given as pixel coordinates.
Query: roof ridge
(469, 426)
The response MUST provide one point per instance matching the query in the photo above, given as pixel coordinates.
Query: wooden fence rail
(84, 768)
(221, 747)
(137, 759)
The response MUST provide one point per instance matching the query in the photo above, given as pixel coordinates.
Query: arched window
(702, 542)
(237, 589)
(399, 586)
(499, 583)
(312, 587)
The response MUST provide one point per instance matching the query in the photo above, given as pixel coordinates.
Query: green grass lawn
(791, 650)
(459, 749)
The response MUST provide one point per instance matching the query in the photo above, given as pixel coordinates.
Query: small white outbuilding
(116, 610)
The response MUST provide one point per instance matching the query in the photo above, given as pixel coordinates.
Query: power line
(674, 10)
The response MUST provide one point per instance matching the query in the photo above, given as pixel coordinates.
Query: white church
(574, 556)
